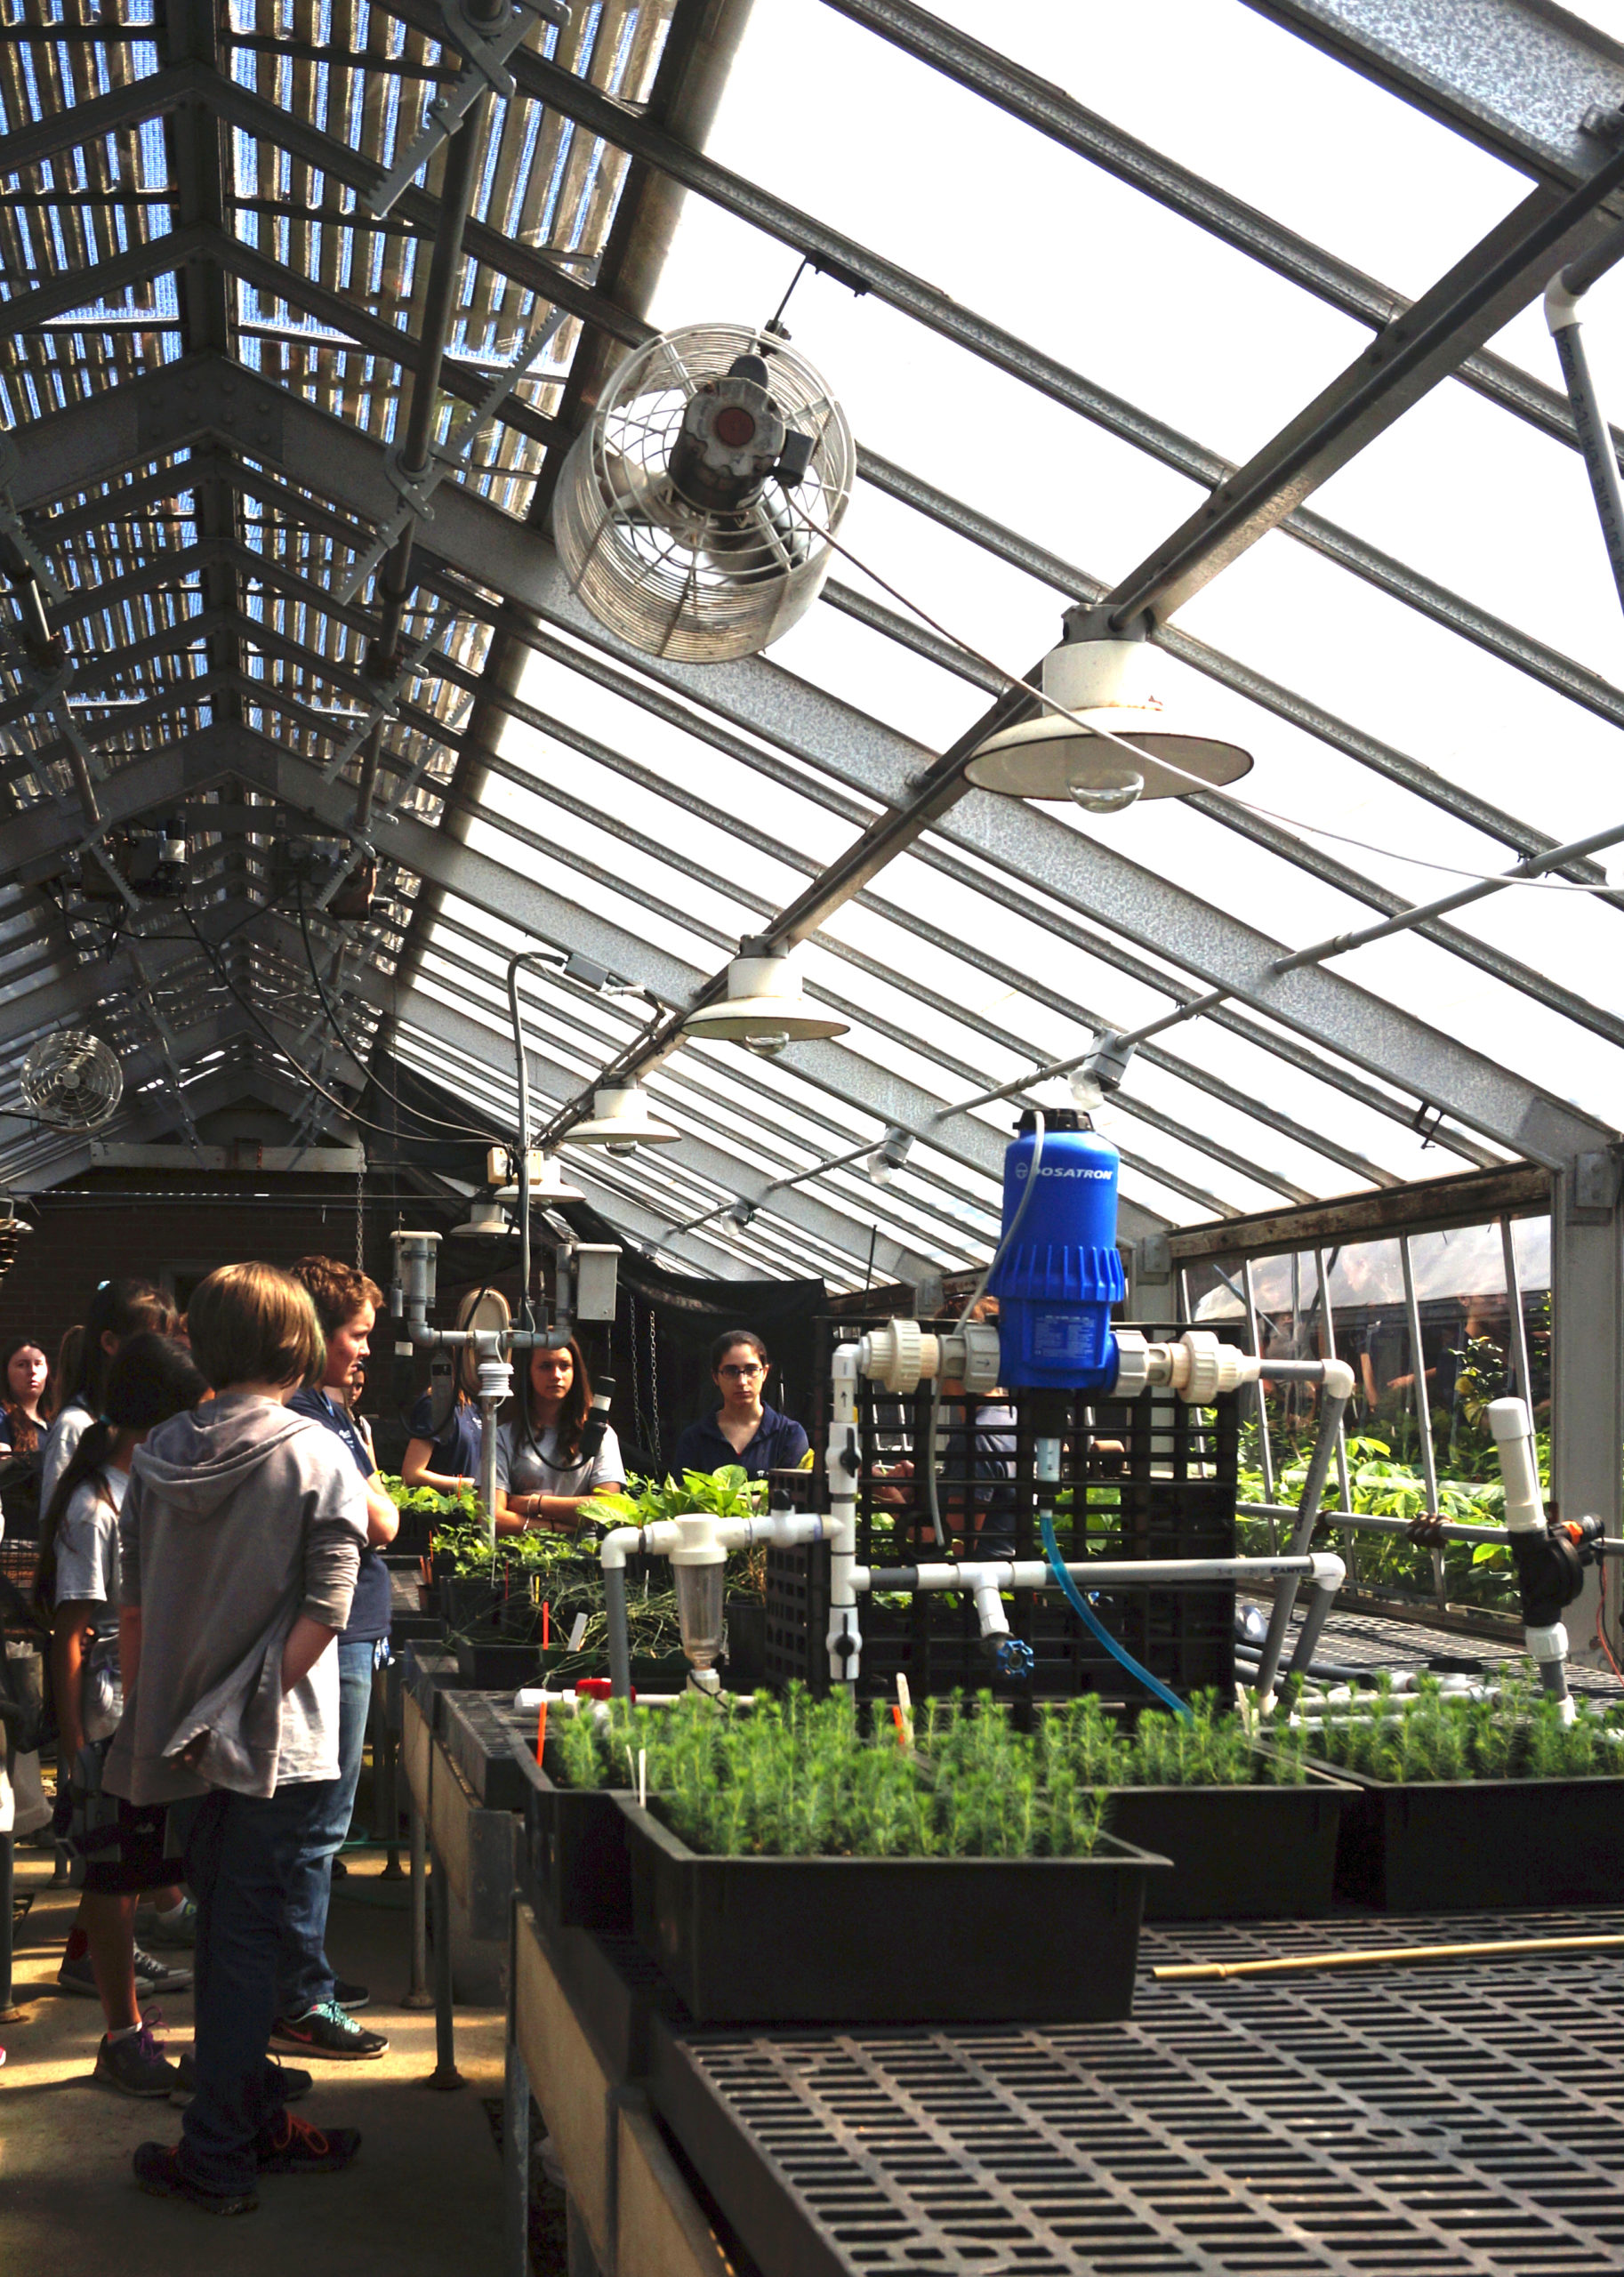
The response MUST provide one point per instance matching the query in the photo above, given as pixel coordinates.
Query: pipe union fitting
(896, 1356)
(1132, 1364)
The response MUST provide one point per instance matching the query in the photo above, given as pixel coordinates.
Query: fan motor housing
(730, 441)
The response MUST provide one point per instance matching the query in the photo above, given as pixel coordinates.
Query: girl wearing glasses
(743, 1430)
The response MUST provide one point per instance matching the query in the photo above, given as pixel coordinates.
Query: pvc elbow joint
(1339, 1379)
(612, 1550)
(1561, 306)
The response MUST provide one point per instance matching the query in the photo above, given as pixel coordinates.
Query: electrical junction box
(597, 1280)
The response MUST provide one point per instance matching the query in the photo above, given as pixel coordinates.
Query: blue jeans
(240, 1853)
(304, 1977)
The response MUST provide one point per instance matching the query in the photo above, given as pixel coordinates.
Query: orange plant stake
(546, 1624)
(541, 1730)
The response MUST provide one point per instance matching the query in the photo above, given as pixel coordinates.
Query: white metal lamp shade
(1110, 682)
(621, 1119)
(764, 1007)
(486, 1221)
(548, 1183)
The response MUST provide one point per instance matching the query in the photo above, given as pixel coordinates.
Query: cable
(462, 1129)
(1168, 767)
(1097, 1628)
(979, 1290)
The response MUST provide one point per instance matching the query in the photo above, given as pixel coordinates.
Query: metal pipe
(1562, 299)
(1266, 1448)
(1329, 1575)
(1365, 1523)
(1423, 1407)
(1337, 1392)
(620, 1644)
(418, 1995)
(446, 2074)
(1329, 1327)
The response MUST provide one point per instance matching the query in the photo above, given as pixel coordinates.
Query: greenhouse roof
(1222, 312)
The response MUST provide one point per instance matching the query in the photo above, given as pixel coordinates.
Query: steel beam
(100, 115)
(1516, 76)
(1408, 358)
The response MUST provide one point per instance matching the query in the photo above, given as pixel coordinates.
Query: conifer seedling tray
(1474, 1844)
(1239, 1854)
(830, 1940)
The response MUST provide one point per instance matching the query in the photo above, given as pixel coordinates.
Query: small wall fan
(72, 1080)
(690, 513)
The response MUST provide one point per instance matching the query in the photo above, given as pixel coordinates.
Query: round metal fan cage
(671, 579)
(72, 1080)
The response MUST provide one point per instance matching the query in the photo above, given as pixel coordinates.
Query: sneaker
(135, 2064)
(154, 1928)
(327, 2030)
(159, 2173)
(292, 2083)
(152, 1977)
(350, 1996)
(290, 2146)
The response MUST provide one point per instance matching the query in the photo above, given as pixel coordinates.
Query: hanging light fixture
(548, 1182)
(889, 1156)
(486, 1220)
(623, 1120)
(764, 1009)
(1108, 678)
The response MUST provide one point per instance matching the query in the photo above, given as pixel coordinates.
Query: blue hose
(1091, 1622)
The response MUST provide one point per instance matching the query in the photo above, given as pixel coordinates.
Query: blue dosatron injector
(1059, 1272)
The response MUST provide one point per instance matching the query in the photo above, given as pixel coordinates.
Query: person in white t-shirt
(118, 1309)
(547, 1465)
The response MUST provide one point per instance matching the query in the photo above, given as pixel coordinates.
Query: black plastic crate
(489, 1740)
(1150, 1479)
(1509, 1844)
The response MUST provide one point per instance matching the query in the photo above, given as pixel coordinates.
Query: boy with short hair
(313, 2006)
(241, 1532)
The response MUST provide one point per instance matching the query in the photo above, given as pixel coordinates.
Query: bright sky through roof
(849, 129)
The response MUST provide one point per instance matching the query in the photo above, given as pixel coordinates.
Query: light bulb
(1103, 790)
(880, 1169)
(767, 1043)
(621, 1146)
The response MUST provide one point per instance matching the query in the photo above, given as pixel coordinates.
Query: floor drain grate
(1432, 2122)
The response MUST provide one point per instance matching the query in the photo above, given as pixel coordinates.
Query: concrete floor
(423, 2199)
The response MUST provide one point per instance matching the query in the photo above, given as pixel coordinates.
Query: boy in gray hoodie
(241, 1536)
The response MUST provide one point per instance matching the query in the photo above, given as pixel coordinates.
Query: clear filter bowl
(699, 1611)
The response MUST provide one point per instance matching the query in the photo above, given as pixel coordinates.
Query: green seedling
(1431, 1736)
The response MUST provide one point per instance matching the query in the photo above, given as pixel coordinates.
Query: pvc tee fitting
(1524, 1504)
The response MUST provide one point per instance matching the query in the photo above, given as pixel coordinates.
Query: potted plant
(1474, 1803)
(1251, 1831)
(790, 1865)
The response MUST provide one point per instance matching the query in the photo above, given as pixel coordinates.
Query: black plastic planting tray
(865, 1940)
(576, 1843)
(1485, 1843)
(490, 1741)
(1239, 1854)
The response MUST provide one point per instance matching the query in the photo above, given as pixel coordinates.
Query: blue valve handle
(1096, 1627)
(1013, 1657)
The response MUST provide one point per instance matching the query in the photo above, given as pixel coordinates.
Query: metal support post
(446, 2074)
(1266, 1452)
(1323, 1263)
(1423, 1411)
(386, 1783)
(8, 2012)
(515, 2129)
(1587, 1369)
(418, 1995)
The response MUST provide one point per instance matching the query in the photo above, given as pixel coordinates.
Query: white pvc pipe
(1524, 1504)
(842, 1461)
(1035, 1574)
